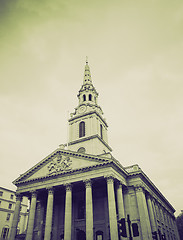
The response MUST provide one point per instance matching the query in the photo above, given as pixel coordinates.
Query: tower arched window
(84, 97)
(90, 97)
(82, 129)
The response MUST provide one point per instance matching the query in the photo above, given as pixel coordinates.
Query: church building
(81, 192)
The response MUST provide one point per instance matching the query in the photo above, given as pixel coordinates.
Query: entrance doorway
(81, 235)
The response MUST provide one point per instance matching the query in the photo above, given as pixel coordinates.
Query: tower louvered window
(90, 97)
(101, 131)
(82, 129)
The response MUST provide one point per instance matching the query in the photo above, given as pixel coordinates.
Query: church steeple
(87, 93)
(87, 127)
(87, 74)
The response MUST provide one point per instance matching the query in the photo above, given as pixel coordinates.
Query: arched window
(99, 235)
(81, 150)
(84, 97)
(101, 131)
(82, 129)
(90, 97)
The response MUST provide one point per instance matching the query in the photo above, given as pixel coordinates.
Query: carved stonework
(110, 179)
(88, 183)
(119, 185)
(139, 188)
(60, 163)
(50, 191)
(68, 187)
(33, 194)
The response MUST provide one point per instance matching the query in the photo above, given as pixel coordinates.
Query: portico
(73, 207)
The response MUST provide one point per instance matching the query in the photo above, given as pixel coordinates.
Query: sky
(135, 53)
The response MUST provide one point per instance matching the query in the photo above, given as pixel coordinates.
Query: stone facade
(8, 209)
(82, 192)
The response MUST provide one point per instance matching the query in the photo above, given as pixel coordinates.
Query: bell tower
(87, 127)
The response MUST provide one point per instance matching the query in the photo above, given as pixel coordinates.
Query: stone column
(175, 229)
(112, 208)
(30, 227)
(121, 210)
(89, 210)
(49, 215)
(155, 213)
(151, 214)
(143, 213)
(15, 217)
(68, 212)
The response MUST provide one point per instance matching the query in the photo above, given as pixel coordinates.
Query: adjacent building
(80, 191)
(7, 209)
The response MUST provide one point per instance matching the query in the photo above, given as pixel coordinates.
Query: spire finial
(86, 59)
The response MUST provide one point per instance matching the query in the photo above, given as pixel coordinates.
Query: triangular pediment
(60, 161)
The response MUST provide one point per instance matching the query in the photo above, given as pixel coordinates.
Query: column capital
(149, 196)
(19, 196)
(33, 194)
(109, 178)
(119, 184)
(139, 188)
(68, 187)
(87, 182)
(50, 190)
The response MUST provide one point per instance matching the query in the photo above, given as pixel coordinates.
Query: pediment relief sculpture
(60, 163)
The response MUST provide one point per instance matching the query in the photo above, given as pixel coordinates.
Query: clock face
(82, 109)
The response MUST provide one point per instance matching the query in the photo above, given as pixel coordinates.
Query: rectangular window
(1, 193)
(10, 206)
(8, 217)
(11, 197)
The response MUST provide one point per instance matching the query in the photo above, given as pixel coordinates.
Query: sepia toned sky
(135, 52)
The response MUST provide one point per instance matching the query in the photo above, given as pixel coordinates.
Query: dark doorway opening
(80, 235)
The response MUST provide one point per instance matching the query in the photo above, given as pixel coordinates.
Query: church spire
(87, 74)
(87, 127)
(87, 93)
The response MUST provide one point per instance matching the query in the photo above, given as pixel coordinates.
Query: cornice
(8, 190)
(89, 113)
(12, 211)
(7, 200)
(102, 164)
(53, 154)
(89, 138)
(6, 210)
(151, 185)
(78, 170)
